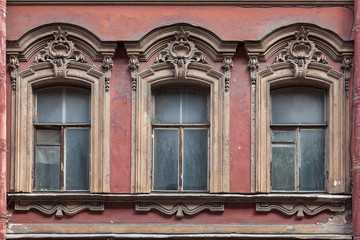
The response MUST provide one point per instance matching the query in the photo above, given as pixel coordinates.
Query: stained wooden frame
(318, 75)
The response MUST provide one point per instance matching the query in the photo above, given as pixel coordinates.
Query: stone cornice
(183, 2)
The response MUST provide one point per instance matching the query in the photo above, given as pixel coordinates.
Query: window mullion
(180, 159)
(62, 161)
(297, 161)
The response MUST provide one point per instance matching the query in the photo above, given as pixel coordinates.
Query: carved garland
(253, 66)
(179, 209)
(180, 53)
(59, 208)
(107, 67)
(346, 66)
(227, 66)
(134, 66)
(13, 66)
(300, 53)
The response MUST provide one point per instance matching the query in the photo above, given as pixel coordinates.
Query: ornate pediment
(59, 53)
(180, 53)
(300, 53)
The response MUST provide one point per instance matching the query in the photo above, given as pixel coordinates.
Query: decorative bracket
(300, 53)
(59, 208)
(227, 66)
(134, 66)
(59, 53)
(179, 209)
(300, 208)
(180, 53)
(346, 66)
(107, 67)
(13, 65)
(253, 66)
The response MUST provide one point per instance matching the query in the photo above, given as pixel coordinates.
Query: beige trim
(163, 74)
(183, 2)
(320, 75)
(79, 74)
(146, 230)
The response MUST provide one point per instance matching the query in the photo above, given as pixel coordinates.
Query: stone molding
(203, 39)
(300, 209)
(38, 38)
(59, 208)
(179, 209)
(183, 2)
(325, 40)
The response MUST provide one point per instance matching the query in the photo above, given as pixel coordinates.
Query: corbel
(253, 66)
(300, 209)
(13, 65)
(227, 66)
(134, 66)
(69, 208)
(179, 209)
(346, 66)
(107, 65)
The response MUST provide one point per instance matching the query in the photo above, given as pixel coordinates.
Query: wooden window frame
(163, 75)
(318, 75)
(23, 105)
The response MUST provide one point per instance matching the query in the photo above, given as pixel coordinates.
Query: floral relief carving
(346, 66)
(13, 65)
(300, 209)
(300, 53)
(134, 66)
(179, 209)
(107, 66)
(59, 208)
(253, 66)
(180, 53)
(227, 66)
(59, 53)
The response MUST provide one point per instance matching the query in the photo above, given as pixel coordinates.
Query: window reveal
(299, 128)
(181, 139)
(62, 139)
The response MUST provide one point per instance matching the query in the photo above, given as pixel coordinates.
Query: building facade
(179, 119)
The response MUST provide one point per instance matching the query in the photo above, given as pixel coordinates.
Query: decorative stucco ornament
(107, 65)
(346, 66)
(253, 66)
(300, 53)
(13, 66)
(227, 66)
(180, 53)
(134, 66)
(59, 53)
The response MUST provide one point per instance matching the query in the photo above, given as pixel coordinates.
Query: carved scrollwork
(346, 66)
(179, 209)
(134, 66)
(300, 53)
(107, 67)
(180, 53)
(13, 66)
(59, 53)
(253, 66)
(300, 208)
(59, 208)
(227, 66)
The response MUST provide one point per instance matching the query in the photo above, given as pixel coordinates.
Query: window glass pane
(194, 106)
(283, 136)
(283, 167)
(47, 168)
(49, 105)
(167, 106)
(195, 159)
(312, 169)
(298, 105)
(77, 158)
(47, 136)
(77, 105)
(166, 155)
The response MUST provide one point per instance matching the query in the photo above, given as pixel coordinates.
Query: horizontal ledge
(183, 2)
(193, 197)
(181, 236)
